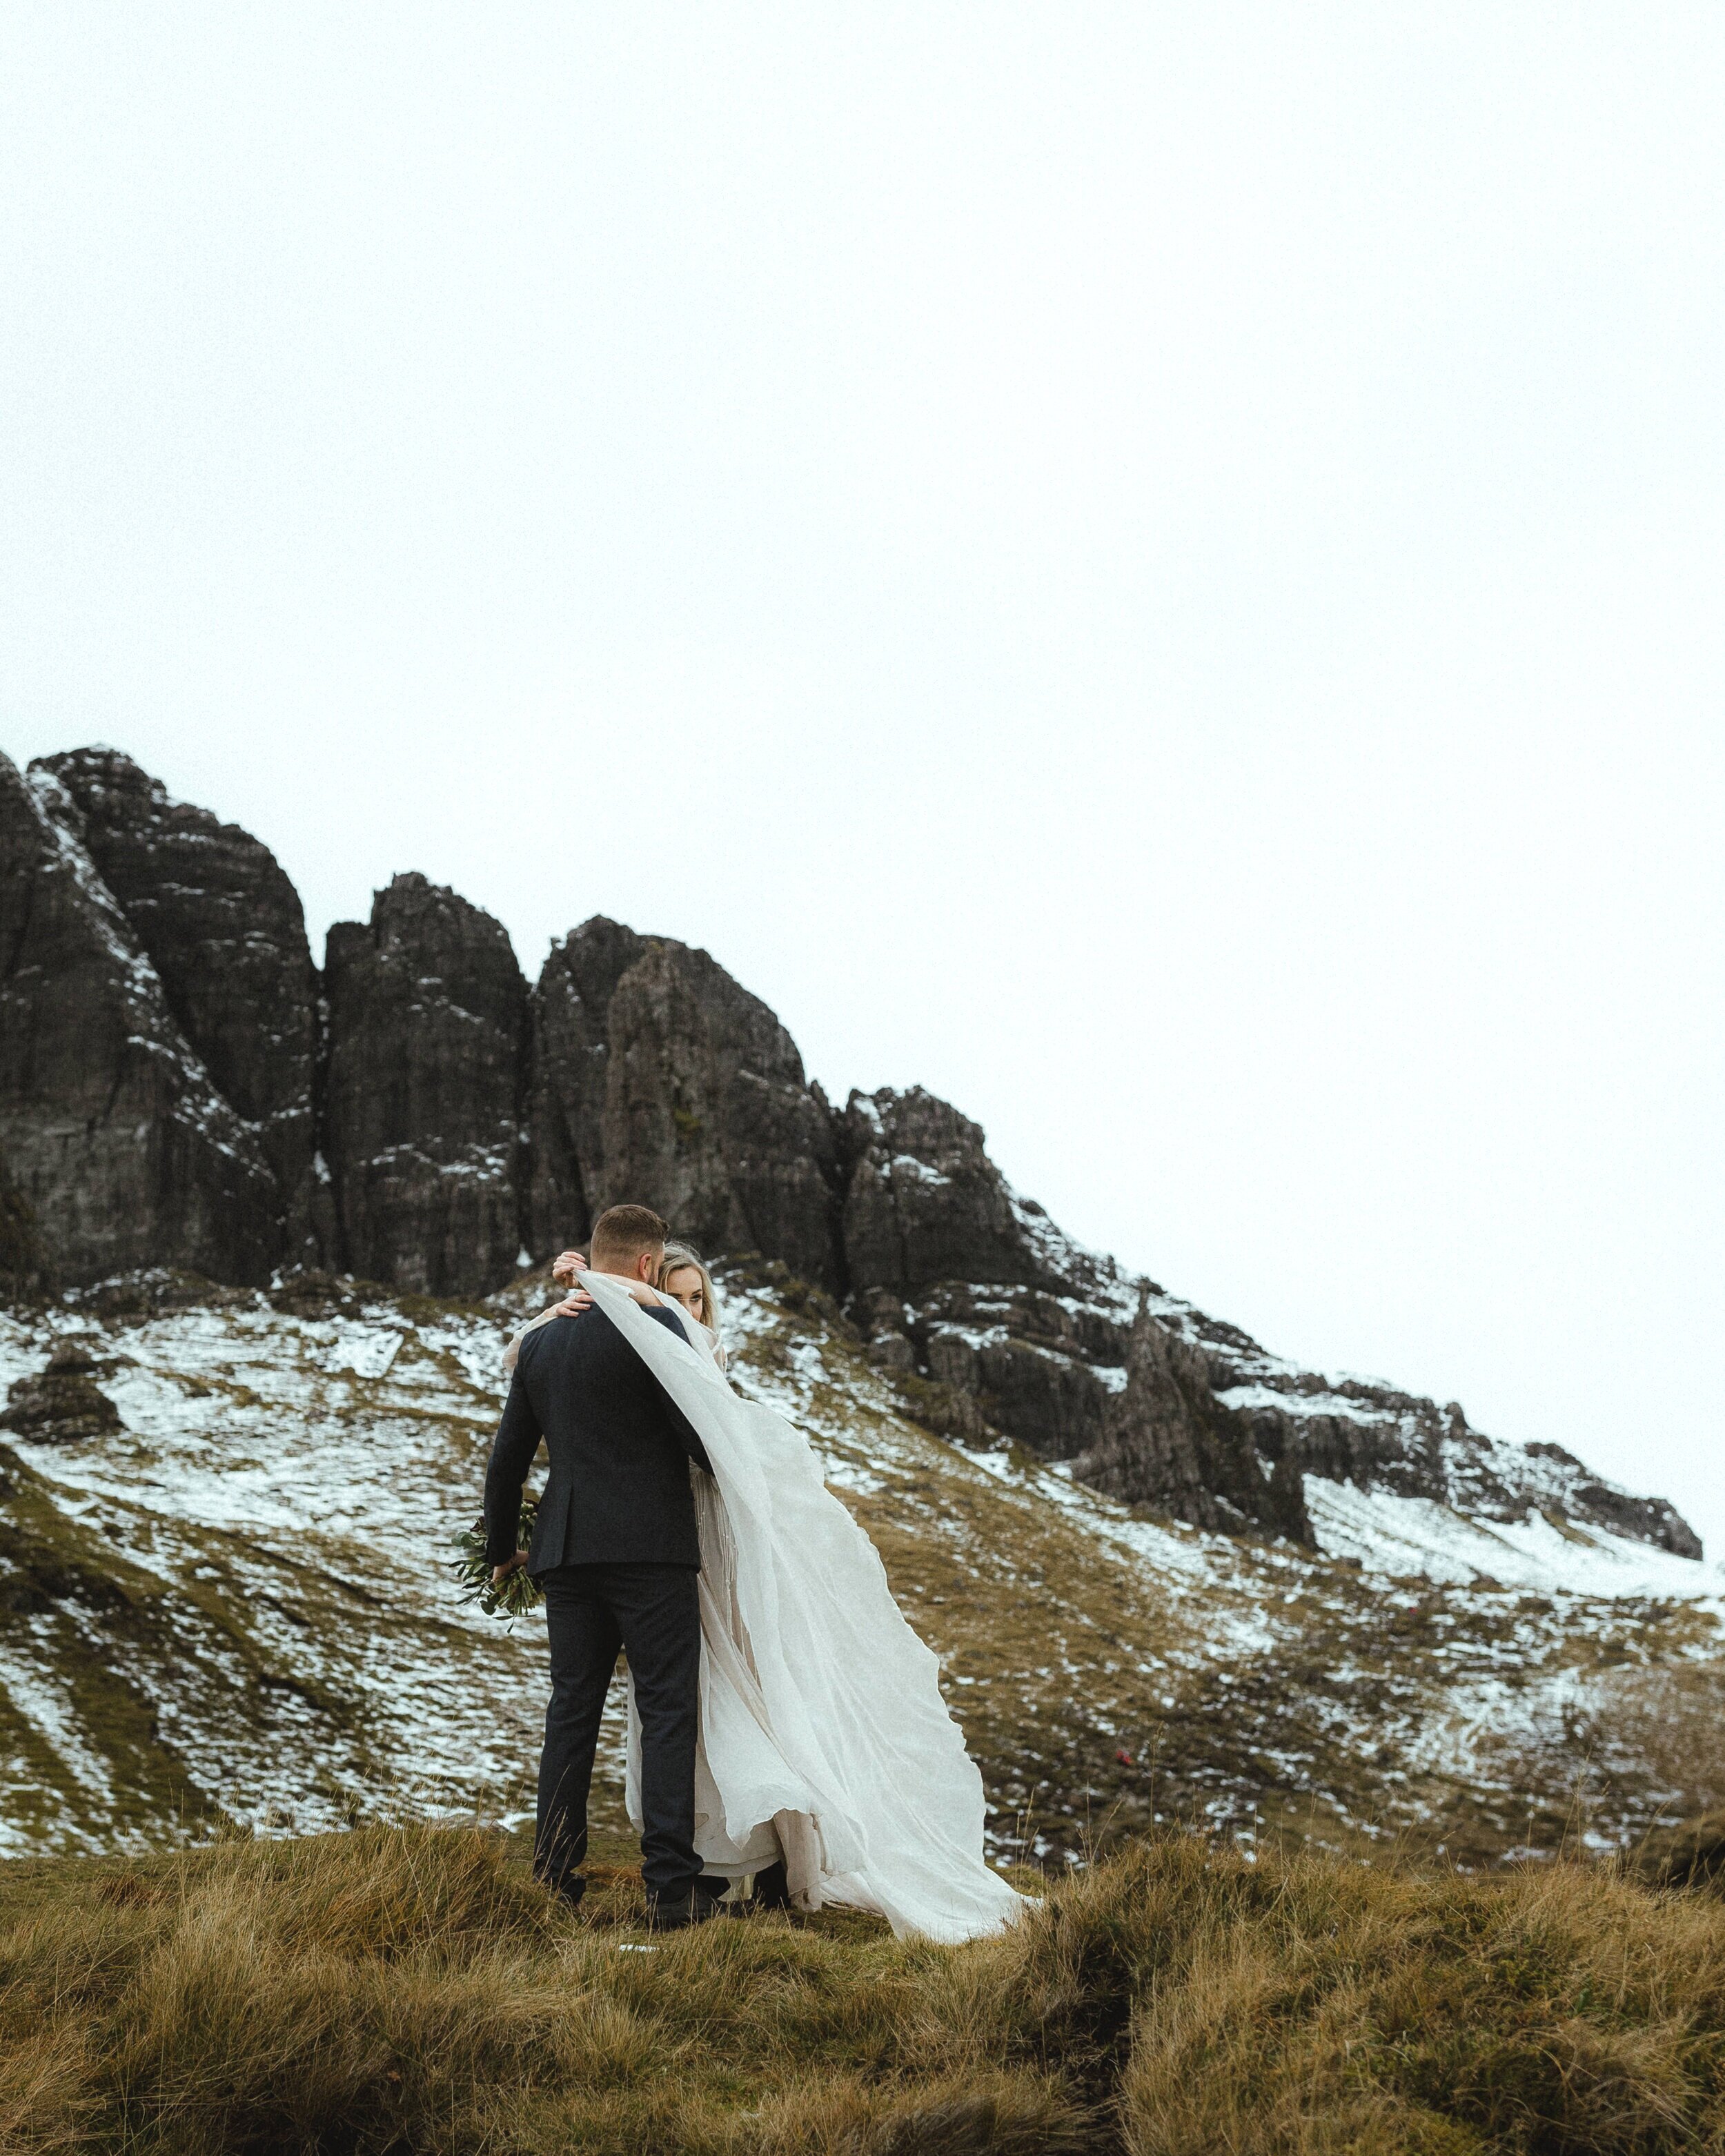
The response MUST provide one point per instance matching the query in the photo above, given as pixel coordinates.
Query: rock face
(659, 1081)
(572, 1010)
(223, 928)
(1378, 1437)
(423, 1098)
(1167, 1442)
(63, 1404)
(960, 1279)
(24, 1269)
(925, 1204)
(179, 1089)
(114, 1135)
(1642, 1519)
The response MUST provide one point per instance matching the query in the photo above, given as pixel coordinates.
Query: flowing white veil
(824, 1732)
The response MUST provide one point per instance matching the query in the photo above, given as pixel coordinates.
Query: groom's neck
(632, 1281)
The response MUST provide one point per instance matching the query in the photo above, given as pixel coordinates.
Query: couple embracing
(785, 1721)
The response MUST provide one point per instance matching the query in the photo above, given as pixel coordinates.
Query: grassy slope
(236, 1610)
(395, 1989)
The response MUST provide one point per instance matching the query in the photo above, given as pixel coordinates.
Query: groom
(616, 1552)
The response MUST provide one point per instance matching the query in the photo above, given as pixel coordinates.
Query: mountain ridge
(182, 1086)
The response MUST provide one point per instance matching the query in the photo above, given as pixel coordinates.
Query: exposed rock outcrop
(114, 1135)
(424, 1103)
(658, 1081)
(62, 1404)
(961, 1281)
(1643, 1519)
(571, 1012)
(1167, 1442)
(925, 1204)
(224, 930)
(1379, 1438)
(1041, 1366)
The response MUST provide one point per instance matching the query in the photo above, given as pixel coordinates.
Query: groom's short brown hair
(622, 1233)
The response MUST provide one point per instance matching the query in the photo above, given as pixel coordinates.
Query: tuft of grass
(1319, 2008)
(410, 1988)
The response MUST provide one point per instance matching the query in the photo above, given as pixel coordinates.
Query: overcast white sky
(1156, 570)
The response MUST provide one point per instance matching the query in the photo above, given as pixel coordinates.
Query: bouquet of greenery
(472, 1568)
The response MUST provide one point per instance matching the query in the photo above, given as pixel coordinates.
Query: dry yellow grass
(409, 1989)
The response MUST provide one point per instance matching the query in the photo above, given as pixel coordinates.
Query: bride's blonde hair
(679, 1258)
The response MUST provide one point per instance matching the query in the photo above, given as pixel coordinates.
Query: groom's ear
(647, 1265)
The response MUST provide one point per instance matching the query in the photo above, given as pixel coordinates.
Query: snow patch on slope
(1405, 1535)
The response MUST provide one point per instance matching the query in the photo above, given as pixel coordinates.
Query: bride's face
(685, 1286)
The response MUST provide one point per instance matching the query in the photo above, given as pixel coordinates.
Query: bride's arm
(573, 1305)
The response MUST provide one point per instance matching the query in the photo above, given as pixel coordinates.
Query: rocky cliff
(114, 1135)
(424, 1090)
(179, 1087)
(218, 919)
(657, 1078)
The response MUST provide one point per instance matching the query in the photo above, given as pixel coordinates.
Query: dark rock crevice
(24, 1269)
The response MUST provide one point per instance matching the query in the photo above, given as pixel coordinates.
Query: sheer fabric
(512, 1352)
(823, 1732)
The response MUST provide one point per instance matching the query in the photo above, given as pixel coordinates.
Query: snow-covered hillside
(236, 1607)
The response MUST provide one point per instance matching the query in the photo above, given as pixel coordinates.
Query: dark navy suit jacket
(618, 1492)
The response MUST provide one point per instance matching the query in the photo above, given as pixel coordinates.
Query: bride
(827, 1763)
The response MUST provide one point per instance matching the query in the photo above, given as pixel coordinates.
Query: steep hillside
(232, 1606)
(1171, 1574)
(180, 1087)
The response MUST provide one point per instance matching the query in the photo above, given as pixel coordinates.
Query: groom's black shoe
(676, 1912)
(773, 1888)
(568, 1890)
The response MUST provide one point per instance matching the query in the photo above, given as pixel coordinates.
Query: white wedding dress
(823, 1736)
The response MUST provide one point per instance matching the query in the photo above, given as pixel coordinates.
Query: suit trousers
(650, 1611)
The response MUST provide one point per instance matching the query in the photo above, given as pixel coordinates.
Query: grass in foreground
(399, 1990)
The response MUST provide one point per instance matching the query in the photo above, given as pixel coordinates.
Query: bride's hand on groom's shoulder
(568, 1265)
(572, 1306)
